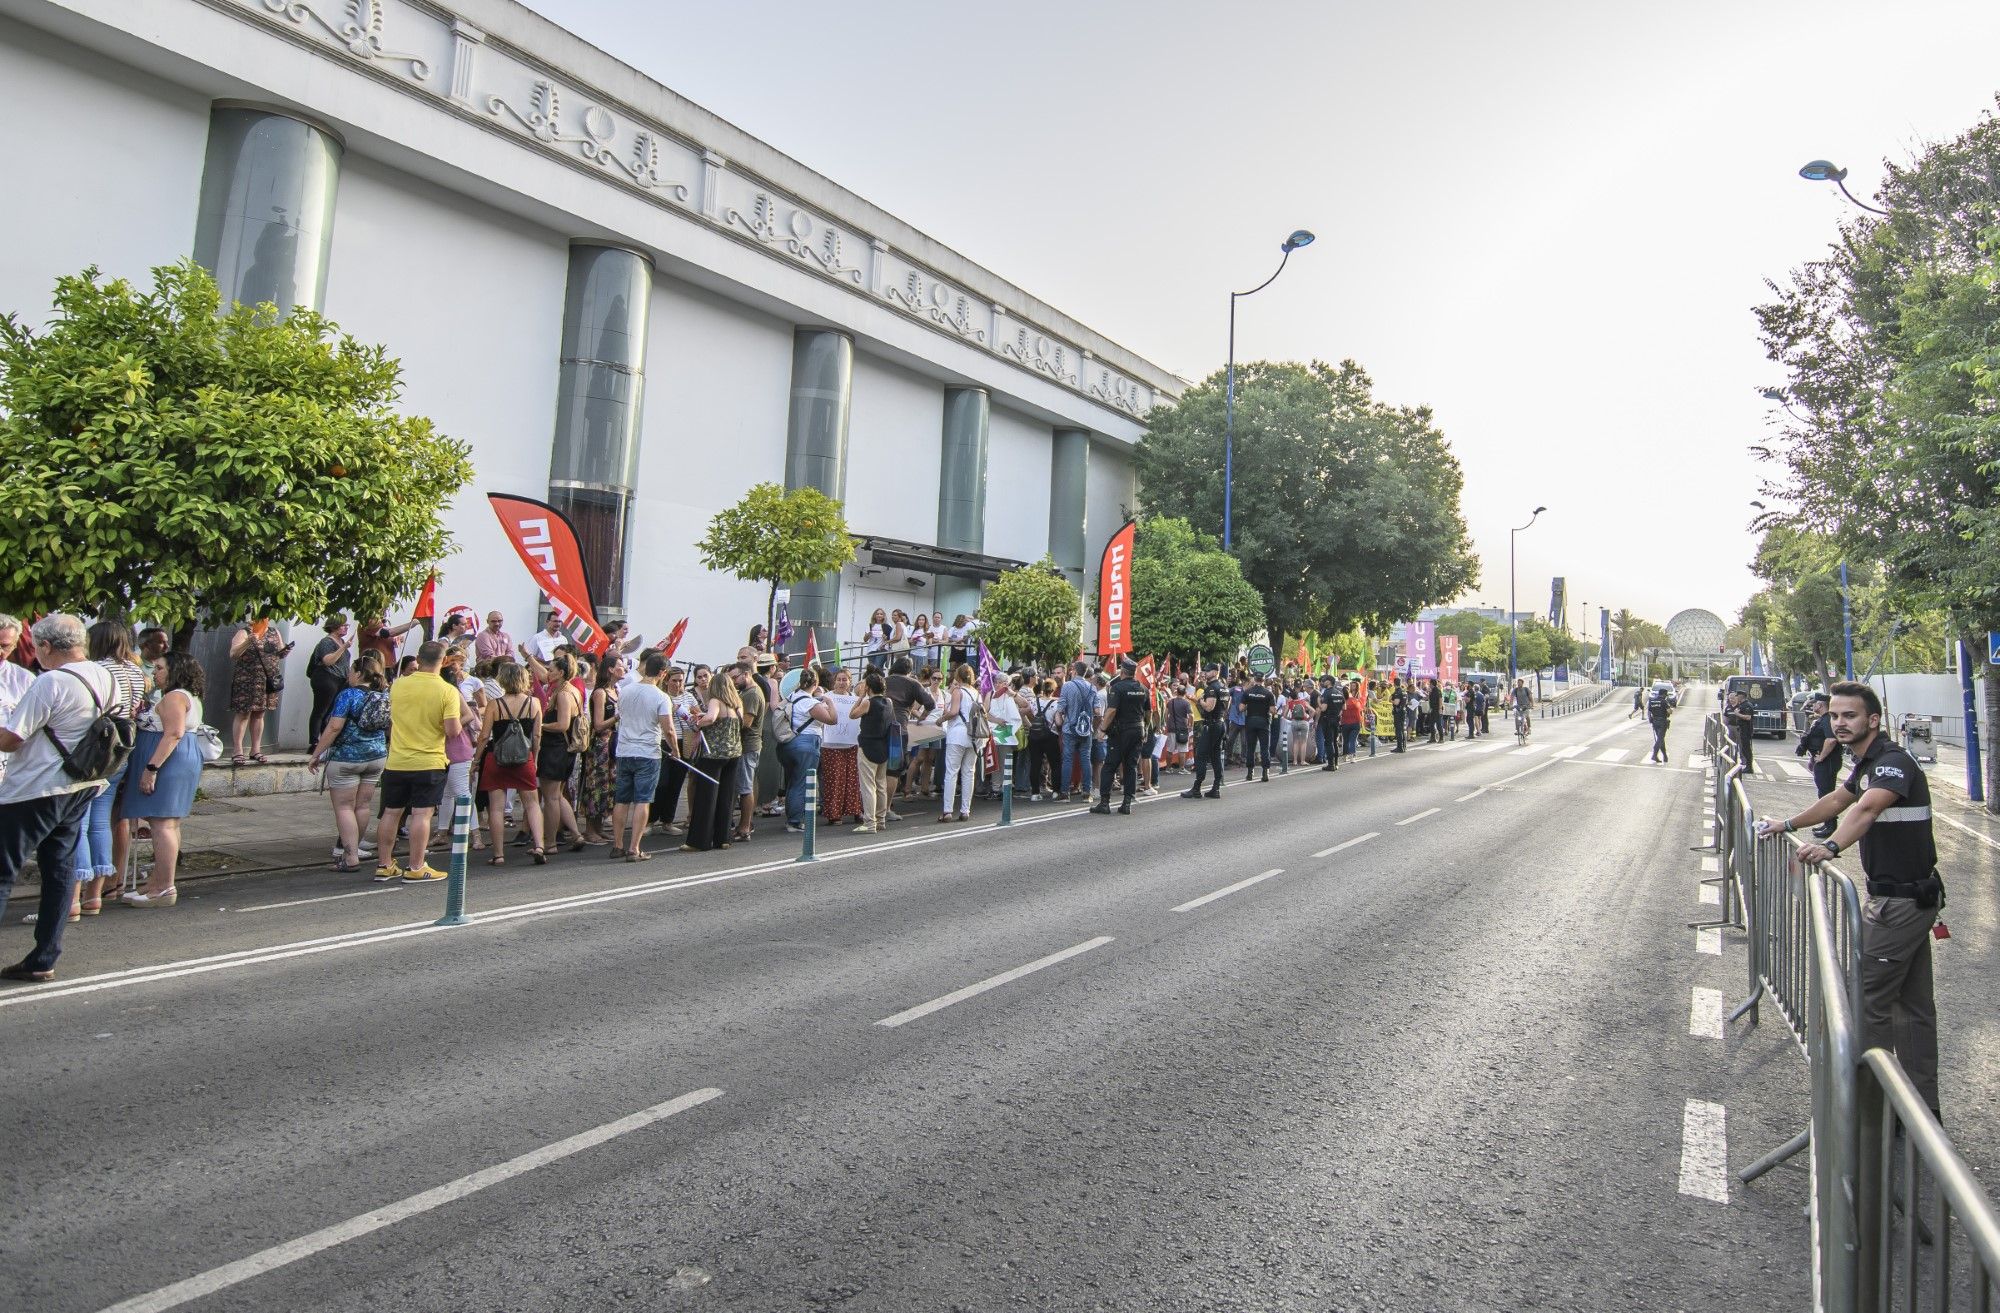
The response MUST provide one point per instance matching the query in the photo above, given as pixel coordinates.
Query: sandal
(259, 757)
(541, 858)
(498, 859)
(636, 856)
(616, 853)
(236, 759)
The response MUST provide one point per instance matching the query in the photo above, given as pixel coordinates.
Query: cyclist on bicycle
(1524, 702)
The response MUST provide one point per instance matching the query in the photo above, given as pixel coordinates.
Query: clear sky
(1548, 221)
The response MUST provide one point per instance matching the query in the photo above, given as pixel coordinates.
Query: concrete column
(816, 457)
(600, 387)
(962, 493)
(265, 223)
(1069, 491)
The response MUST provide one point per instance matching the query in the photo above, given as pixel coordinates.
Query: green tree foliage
(1488, 651)
(1531, 647)
(778, 537)
(1033, 615)
(1560, 645)
(1468, 626)
(1188, 597)
(1346, 509)
(168, 463)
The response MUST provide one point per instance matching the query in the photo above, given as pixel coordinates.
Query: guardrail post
(461, 838)
(808, 852)
(1006, 786)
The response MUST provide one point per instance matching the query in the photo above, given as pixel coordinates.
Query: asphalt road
(1445, 1066)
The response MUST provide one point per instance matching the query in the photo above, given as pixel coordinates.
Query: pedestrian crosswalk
(1793, 769)
(1614, 754)
(1528, 751)
(1573, 750)
(1495, 746)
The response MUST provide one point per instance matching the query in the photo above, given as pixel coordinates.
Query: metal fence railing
(1571, 703)
(1878, 1155)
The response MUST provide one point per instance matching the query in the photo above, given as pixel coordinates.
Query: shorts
(342, 775)
(636, 779)
(412, 790)
(746, 773)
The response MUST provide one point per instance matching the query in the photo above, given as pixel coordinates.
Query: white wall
(103, 169)
(1017, 486)
(895, 445)
(718, 387)
(1108, 502)
(1928, 695)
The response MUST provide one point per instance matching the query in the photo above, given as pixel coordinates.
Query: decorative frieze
(408, 43)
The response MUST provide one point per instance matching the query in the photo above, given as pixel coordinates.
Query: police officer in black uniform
(1213, 701)
(1332, 701)
(1885, 806)
(1126, 704)
(1823, 749)
(1659, 714)
(1259, 702)
(1399, 711)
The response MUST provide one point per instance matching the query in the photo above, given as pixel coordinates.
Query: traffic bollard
(461, 838)
(1007, 786)
(807, 853)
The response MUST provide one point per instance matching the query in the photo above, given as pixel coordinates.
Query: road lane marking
(1711, 895)
(1710, 863)
(1224, 892)
(1343, 847)
(268, 1260)
(329, 898)
(1704, 1151)
(994, 982)
(1705, 1014)
(1494, 747)
(1796, 771)
(1708, 941)
(1573, 750)
(1960, 825)
(1698, 759)
(1614, 754)
(1528, 751)
(1428, 811)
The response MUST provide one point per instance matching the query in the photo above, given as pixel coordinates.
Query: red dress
(839, 785)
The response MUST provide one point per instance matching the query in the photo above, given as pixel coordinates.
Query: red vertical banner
(546, 543)
(1114, 593)
(1448, 658)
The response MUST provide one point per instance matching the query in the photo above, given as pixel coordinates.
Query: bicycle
(1522, 725)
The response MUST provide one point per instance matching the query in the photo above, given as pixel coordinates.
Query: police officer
(1823, 749)
(1741, 723)
(1258, 703)
(1332, 702)
(1213, 700)
(1885, 807)
(1659, 713)
(1123, 724)
(1399, 711)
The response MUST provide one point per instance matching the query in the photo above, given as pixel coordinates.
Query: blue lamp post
(1513, 623)
(1828, 171)
(1298, 238)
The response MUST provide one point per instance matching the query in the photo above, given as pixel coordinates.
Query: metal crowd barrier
(1571, 703)
(1877, 1152)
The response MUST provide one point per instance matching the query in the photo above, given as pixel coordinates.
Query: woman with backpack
(1044, 742)
(877, 715)
(351, 749)
(961, 715)
(505, 751)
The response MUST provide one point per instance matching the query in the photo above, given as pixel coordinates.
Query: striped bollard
(808, 853)
(1007, 787)
(461, 839)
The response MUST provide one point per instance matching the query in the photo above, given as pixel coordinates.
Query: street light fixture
(1828, 171)
(1299, 238)
(1513, 623)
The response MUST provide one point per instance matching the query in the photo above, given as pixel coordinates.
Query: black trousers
(1044, 764)
(1208, 753)
(1122, 751)
(1746, 752)
(1402, 731)
(667, 794)
(1256, 739)
(324, 692)
(712, 810)
(45, 829)
(1660, 740)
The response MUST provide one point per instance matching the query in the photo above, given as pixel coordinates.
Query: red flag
(812, 648)
(673, 638)
(546, 542)
(1114, 593)
(426, 607)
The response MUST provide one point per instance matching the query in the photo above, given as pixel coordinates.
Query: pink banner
(1420, 638)
(1448, 658)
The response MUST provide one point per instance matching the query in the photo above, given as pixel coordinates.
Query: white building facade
(624, 304)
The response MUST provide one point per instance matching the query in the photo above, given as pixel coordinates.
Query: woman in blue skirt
(164, 771)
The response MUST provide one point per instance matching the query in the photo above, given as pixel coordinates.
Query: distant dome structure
(1697, 631)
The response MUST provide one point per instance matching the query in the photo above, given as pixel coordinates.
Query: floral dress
(594, 800)
(261, 656)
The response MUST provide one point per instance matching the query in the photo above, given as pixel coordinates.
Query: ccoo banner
(1114, 593)
(546, 542)
(1448, 658)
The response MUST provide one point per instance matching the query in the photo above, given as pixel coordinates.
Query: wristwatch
(151, 767)
(1831, 845)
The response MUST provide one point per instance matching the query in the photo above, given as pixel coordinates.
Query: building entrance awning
(937, 560)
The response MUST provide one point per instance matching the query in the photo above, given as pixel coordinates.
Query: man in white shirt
(645, 721)
(41, 807)
(14, 677)
(547, 639)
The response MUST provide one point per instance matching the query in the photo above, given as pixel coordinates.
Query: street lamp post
(1828, 171)
(1514, 624)
(1300, 237)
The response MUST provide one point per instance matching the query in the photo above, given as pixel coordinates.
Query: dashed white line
(1528, 751)
(268, 1260)
(1496, 746)
(1573, 750)
(1428, 811)
(991, 982)
(1711, 895)
(1710, 863)
(1705, 1151)
(329, 898)
(1705, 1013)
(1614, 754)
(1708, 941)
(1342, 847)
(1227, 890)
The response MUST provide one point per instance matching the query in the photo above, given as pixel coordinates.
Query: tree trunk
(1990, 727)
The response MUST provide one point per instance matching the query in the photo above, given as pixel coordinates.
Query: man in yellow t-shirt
(421, 707)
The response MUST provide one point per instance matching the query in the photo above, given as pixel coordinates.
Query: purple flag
(989, 672)
(783, 633)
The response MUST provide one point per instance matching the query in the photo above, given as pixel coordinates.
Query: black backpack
(104, 745)
(1039, 729)
(510, 740)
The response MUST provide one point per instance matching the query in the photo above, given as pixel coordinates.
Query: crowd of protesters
(564, 754)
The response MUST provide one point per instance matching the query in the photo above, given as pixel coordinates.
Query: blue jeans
(46, 829)
(1352, 736)
(801, 755)
(1077, 748)
(93, 840)
(635, 780)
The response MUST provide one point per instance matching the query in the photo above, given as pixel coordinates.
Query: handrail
(1886, 1089)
